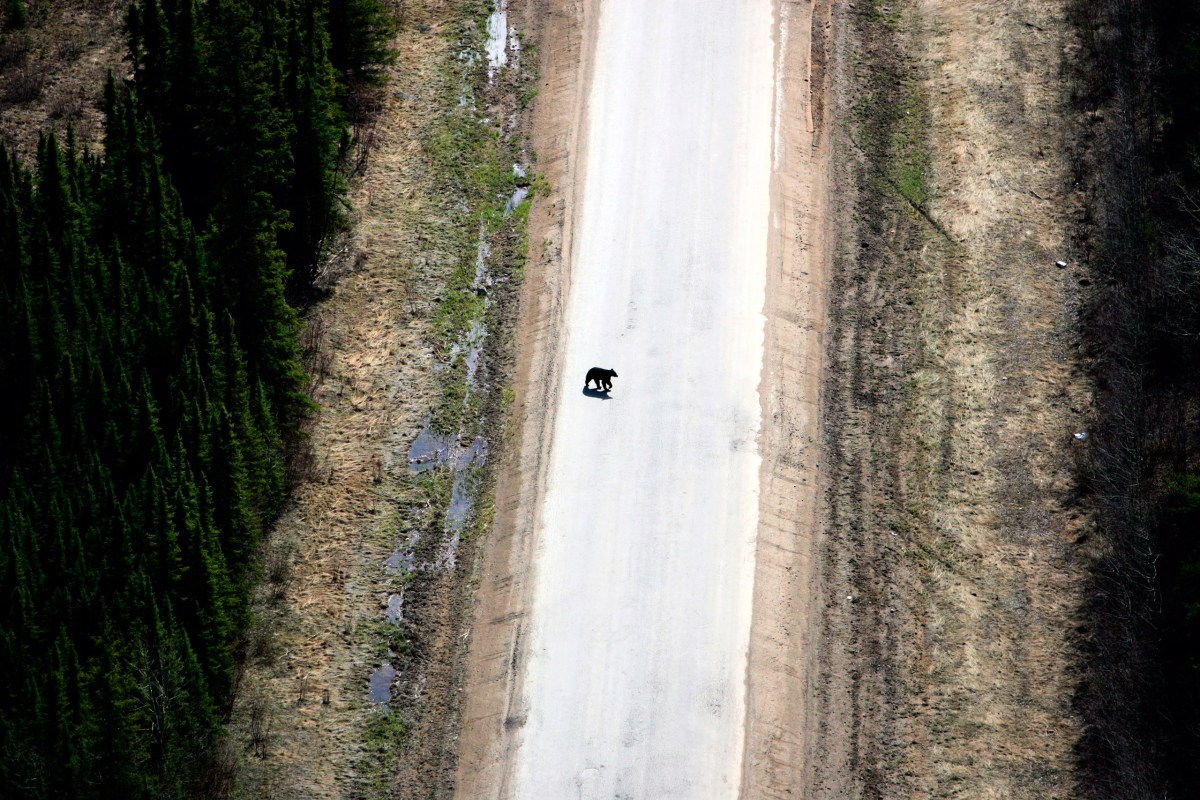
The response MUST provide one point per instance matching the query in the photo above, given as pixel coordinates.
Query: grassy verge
(473, 159)
(484, 205)
(904, 244)
(888, 414)
(415, 334)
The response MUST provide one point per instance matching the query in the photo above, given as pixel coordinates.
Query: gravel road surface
(635, 658)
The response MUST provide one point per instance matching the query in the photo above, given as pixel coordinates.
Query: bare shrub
(68, 104)
(71, 46)
(261, 646)
(260, 725)
(23, 85)
(219, 774)
(278, 564)
(315, 352)
(14, 49)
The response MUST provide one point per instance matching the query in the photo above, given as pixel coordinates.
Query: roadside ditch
(354, 664)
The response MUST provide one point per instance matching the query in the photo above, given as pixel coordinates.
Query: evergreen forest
(152, 382)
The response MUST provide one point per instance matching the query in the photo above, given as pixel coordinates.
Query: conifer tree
(148, 350)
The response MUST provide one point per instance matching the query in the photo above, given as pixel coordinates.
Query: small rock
(1060, 264)
(424, 28)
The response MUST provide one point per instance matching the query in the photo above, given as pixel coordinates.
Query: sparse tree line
(1140, 698)
(151, 381)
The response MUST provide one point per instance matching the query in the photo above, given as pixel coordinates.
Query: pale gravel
(635, 659)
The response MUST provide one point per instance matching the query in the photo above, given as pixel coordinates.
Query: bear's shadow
(600, 393)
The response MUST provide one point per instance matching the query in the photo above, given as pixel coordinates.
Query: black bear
(602, 377)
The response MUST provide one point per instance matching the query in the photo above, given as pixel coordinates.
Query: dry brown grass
(956, 385)
(303, 721)
(52, 74)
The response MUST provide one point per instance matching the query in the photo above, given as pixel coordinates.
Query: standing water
(497, 43)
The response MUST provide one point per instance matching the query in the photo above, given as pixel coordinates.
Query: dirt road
(636, 653)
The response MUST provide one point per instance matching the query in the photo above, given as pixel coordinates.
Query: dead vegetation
(384, 351)
(52, 71)
(1139, 695)
(952, 565)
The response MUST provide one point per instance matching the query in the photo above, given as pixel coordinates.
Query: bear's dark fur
(602, 377)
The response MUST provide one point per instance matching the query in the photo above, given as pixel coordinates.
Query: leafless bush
(70, 46)
(315, 352)
(14, 49)
(364, 105)
(299, 457)
(67, 104)
(23, 85)
(219, 775)
(261, 645)
(258, 708)
(278, 566)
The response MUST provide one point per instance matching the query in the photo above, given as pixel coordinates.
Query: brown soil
(950, 566)
(52, 73)
(780, 731)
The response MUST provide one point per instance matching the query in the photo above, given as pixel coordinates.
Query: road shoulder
(563, 31)
(779, 730)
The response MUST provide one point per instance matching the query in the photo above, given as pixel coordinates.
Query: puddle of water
(429, 449)
(460, 502)
(482, 251)
(497, 43)
(475, 337)
(518, 171)
(517, 198)
(402, 560)
(395, 608)
(380, 683)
